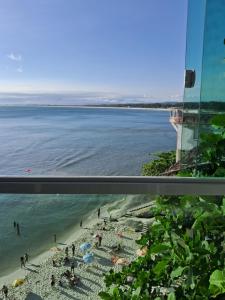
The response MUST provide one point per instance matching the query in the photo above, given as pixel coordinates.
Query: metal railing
(113, 185)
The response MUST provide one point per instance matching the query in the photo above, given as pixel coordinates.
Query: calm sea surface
(60, 141)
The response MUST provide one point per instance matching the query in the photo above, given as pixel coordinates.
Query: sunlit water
(61, 141)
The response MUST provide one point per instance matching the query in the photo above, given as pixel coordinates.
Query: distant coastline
(156, 105)
(151, 106)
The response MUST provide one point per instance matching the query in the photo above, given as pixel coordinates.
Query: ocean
(61, 141)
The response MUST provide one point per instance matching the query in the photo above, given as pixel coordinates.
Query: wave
(68, 161)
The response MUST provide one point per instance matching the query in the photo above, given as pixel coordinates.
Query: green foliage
(185, 257)
(185, 247)
(217, 283)
(160, 165)
(210, 160)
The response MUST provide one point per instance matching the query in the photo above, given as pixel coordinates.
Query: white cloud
(176, 97)
(19, 69)
(13, 56)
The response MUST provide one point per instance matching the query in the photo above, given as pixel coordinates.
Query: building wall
(205, 53)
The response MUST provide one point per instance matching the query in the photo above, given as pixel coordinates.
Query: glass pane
(205, 54)
(213, 62)
(43, 226)
(194, 52)
(213, 87)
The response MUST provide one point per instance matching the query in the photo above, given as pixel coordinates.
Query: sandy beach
(123, 228)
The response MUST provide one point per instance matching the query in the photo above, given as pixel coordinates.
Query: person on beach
(74, 280)
(26, 258)
(81, 223)
(99, 211)
(54, 238)
(14, 224)
(72, 268)
(53, 263)
(99, 240)
(18, 229)
(52, 281)
(60, 283)
(66, 261)
(67, 274)
(73, 249)
(5, 291)
(67, 251)
(22, 262)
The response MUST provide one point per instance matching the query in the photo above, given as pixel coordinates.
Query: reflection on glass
(205, 54)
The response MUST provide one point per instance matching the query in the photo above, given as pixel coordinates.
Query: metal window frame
(112, 185)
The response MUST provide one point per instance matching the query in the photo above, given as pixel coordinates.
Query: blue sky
(123, 47)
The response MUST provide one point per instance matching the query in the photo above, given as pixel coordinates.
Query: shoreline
(66, 238)
(40, 268)
(87, 106)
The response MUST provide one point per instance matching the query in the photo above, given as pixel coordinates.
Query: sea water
(61, 141)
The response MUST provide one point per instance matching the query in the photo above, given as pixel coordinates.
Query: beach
(122, 227)
(59, 141)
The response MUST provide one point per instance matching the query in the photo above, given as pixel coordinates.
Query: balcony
(127, 211)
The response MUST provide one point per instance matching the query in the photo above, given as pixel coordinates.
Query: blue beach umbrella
(88, 258)
(85, 246)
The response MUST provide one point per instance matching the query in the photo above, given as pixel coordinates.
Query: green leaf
(217, 283)
(210, 138)
(137, 291)
(218, 120)
(177, 272)
(104, 296)
(116, 293)
(171, 296)
(223, 207)
(143, 240)
(160, 267)
(159, 248)
(220, 172)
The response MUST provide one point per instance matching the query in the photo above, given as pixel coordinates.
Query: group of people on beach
(99, 240)
(68, 274)
(23, 260)
(17, 227)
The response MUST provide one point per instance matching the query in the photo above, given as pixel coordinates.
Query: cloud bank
(15, 57)
(79, 98)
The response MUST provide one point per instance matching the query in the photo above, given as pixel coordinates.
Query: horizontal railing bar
(112, 185)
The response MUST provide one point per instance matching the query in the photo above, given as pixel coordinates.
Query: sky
(115, 48)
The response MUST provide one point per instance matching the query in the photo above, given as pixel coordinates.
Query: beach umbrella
(18, 282)
(85, 246)
(88, 258)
